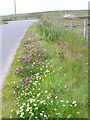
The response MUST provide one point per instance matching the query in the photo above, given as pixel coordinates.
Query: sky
(30, 6)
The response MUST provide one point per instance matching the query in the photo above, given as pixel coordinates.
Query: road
(12, 33)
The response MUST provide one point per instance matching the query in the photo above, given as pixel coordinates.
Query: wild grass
(67, 83)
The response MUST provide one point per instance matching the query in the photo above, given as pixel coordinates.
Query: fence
(71, 25)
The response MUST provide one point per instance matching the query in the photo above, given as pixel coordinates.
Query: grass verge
(63, 85)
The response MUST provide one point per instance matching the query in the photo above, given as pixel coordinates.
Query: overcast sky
(29, 6)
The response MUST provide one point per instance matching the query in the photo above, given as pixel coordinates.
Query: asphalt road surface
(11, 35)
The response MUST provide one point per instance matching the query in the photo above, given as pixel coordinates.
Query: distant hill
(38, 15)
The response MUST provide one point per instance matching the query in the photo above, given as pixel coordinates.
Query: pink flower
(17, 72)
(23, 79)
(35, 75)
(51, 66)
(22, 68)
(25, 87)
(39, 55)
(28, 56)
(39, 62)
(27, 67)
(26, 79)
(39, 74)
(15, 89)
(12, 86)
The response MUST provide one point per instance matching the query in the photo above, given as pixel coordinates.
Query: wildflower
(30, 108)
(64, 74)
(38, 95)
(35, 75)
(38, 88)
(67, 101)
(32, 114)
(10, 116)
(11, 110)
(55, 109)
(75, 105)
(18, 112)
(26, 79)
(37, 100)
(62, 100)
(23, 79)
(41, 114)
(71, 105)
(39, 55)
(25, 87)
(58, 113)
(27, 104)
(56, 97)
(69, 116)
(22, 114)
(36, 117)
(63, 105)
(36, 108)
(78, 112)
(22, 68)
(41, 101)
(46, 91)
(31, 100)
(35, 104)
(15, 89)
(51, 66)
(24, 104)
(21, 107)
(33, 89)
(51, 60)
(74, 102)
(27, 109)
(45, 116)
(48, 97)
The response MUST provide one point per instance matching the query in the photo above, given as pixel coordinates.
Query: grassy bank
(49, 76)
(3, 22)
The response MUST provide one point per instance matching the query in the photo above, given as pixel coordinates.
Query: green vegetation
(38, 15)
(63, 84)
(3, 22)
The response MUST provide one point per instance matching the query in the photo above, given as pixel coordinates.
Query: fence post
(72, 25)
(57, 23)
(84, 32)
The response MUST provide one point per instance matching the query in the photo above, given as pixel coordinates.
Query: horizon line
(42, 12)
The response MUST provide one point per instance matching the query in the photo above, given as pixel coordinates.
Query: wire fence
(77, 25)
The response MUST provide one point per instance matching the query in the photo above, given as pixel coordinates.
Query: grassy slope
(69, 80)
(38, 15)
